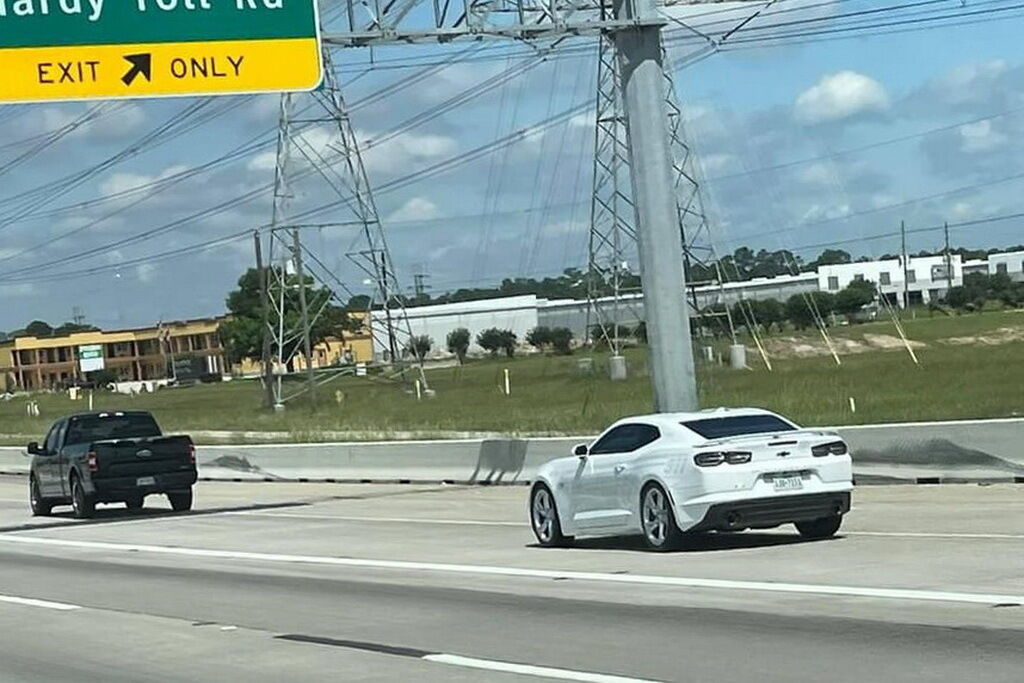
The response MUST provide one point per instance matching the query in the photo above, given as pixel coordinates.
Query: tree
(539, 337)
(802, 310)
(419, 346)
(458, 343)
(71, 328)
(764, 312)
(242, 333)
(490, 340)
(830, 257)
(640, 332)
(38, 328)
(853, 298)
(561, 340)
(508, 341)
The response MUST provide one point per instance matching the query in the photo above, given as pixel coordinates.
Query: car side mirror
(33, 448)
(580, 450)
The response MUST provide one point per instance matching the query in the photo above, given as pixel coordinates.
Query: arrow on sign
(141, 64)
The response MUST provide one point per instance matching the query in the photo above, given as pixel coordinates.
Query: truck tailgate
(143, 457)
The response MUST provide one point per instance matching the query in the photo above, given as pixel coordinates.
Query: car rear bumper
(122, 488)
(764, 513)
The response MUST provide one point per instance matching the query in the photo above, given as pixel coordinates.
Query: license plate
(145, 481)
(788, 483)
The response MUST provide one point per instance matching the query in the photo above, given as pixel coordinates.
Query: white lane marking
(487, 570)
(395, 520)
(528, 670)
(525, 525)
(933, 534)
(30, 602)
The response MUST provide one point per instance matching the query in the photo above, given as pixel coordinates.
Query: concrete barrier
(927, 452)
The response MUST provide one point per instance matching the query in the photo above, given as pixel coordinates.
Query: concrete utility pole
(657, 221)
(906, 265)
(949, 260)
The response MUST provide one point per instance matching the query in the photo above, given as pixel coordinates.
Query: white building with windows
(927, 277)
(1010, 263)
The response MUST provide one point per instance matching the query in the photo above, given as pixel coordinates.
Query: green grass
(551, 396)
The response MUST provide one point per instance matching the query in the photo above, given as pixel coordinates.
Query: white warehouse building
(927, 277)
(1010, 263)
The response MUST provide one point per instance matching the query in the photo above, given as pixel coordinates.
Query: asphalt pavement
(383, 583)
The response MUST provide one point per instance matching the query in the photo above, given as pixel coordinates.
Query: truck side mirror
(33, 448)
(580, 450)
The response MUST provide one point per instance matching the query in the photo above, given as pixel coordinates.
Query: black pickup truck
(109, 458)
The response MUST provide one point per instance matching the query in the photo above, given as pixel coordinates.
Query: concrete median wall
(940, 451)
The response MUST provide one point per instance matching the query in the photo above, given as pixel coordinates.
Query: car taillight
(832, 448)
(709, 459)
(738, 457)
(717, 458)
(92, 462)
(192, 454)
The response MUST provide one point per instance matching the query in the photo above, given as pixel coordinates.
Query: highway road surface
(280, 582)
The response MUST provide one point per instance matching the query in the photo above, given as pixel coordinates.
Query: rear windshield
(95, 428)
(737, 425)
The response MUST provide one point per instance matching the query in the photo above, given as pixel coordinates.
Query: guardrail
(926, 452)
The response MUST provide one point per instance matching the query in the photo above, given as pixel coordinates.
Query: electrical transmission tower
(613, 238)
(287, 285)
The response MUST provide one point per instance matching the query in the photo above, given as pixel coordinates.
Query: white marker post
(508, 383)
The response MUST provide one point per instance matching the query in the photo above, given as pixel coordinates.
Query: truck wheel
(135, 503)
(83, 505)
(40, 507)
(180, 500)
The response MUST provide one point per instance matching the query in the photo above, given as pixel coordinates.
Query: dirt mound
(1003, 335)
(801, 347)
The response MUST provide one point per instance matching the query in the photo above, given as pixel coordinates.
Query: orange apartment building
(31, 363)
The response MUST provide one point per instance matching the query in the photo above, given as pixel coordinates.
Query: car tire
(82, 504)
(826, 527)
(135, 503)
(544, 519)
(181, 501)
(658, 521)
(40, 507)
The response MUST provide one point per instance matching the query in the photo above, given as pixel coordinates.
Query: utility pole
(419, 284)
(906, 265)
(657, 220)
(949, 260)
(265, 355)
(77, 315)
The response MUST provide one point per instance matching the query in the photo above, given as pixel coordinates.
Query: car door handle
(619, 469)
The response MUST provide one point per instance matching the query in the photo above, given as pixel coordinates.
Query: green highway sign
(101, 49)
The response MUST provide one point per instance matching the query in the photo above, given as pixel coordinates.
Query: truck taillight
(92, 462)
(192, 453)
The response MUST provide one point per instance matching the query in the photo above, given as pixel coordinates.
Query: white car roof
(675, 420)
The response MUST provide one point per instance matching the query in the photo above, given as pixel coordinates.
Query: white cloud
(961, 84)
(817, 212)
(839, 96)
(716, 163)
(962, 210)
(264, 161)
(980, 137)
(582, 121)
(816, 174)
(125, 182)
(145, 272)
(123, 123)
(402, 153)
(416, 209)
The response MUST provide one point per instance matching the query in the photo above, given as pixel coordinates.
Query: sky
(824, 141)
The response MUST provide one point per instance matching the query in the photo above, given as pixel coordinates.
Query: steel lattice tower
(285, 335)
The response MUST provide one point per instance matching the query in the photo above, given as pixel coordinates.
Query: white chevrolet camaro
(668, 475)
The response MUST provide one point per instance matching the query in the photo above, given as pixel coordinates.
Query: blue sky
(952, 92)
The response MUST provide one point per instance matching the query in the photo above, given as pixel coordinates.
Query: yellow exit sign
(85, 49)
